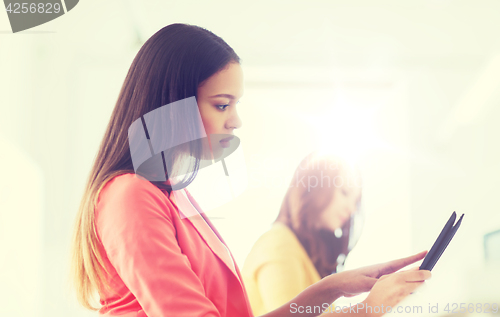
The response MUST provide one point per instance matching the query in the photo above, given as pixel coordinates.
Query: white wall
(21, 233)
(406, 65)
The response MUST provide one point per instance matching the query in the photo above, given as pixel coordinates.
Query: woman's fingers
(395, 265)
(364, 279)
(416, 276)
(392, 288)
(412, 286)
(369, 282)
(384, 277)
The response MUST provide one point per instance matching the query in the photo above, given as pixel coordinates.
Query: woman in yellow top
(311, 236)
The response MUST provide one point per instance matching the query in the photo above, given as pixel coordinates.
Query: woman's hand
(353, 282)
(391, 289)
(387, 290)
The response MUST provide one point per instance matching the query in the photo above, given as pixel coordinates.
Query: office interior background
(409, 90)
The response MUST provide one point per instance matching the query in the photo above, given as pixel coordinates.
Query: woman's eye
(222, 107)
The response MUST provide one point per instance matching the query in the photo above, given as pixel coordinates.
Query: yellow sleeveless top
(277, 269)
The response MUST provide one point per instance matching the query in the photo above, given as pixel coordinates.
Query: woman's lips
(225, 142)
(227, 139)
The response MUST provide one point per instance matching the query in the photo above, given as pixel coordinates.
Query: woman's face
(217, 99)
(343, 204)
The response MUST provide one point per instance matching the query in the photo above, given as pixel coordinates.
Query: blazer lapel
(191, 211)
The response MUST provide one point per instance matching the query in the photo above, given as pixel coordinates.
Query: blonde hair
(88, 272)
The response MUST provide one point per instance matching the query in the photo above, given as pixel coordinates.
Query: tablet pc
(441, 243)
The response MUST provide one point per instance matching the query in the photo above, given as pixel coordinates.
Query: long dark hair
(302, 207)
(170, 66)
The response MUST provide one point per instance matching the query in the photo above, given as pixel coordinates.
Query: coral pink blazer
(161, 265)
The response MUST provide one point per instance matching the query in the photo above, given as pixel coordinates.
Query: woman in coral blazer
(133, 217)
(141, 243)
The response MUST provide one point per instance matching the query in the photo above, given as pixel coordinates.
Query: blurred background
(409, 90)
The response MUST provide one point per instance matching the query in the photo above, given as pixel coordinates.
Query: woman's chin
(334, 226)
(217, 153)
(214, 153)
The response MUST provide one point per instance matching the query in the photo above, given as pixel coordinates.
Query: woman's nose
(234, 121)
